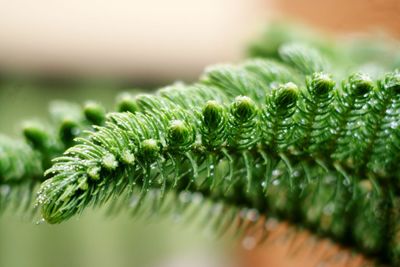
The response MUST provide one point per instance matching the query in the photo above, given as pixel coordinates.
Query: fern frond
(235, 81)
(303, 58)
(314, 109)
(272, 153)
(384, 156)
(159, 135)
(272, 72)
(280, 136)
(277, 116)
(373, 55)
(274, 136)
(277, 33)
(375, 130)
(350, 104)
(20, 171)
(18, 160)
(24, 161)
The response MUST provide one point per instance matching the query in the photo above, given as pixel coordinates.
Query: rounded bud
(35, 134)
(126, 102)
(286, 95)
(94, 113)
(179, 134)
(109, 162)
(391, 81)
(243, 108)
(94, 172)
(320, 83)
(69, 129)
(82, 183)
(359, 84)
(150, 149)
(127, 157)
(212, 114)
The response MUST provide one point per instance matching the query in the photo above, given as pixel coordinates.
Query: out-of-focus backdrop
(78, 50)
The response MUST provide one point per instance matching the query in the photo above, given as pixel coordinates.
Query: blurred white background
(134, 38)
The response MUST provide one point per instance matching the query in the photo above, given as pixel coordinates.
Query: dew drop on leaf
(40, 221)
(249, 242)
(394, 125)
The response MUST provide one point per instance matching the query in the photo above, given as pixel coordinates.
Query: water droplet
(5, 190)
(276, 182)
(276, 173)
(41, 221)
(242, 213)
(217, 208)
(185, 197)
(197, 198)
(329, 209)
(253, 215)
(249, 243)
(134, 201)
(390, 111)
(271, 224)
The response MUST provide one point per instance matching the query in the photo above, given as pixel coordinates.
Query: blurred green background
(23, 98)
(95, 240)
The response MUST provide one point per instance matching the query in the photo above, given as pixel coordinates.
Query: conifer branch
(294, 137)
(238, 141)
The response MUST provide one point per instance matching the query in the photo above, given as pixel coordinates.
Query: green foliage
(305, 59)
(17, 160)
(277, 123)
(262, 154)
(24, 161)
(372, 55)
(288, 137)
(314, 110)
(20, 171)
(94, 113)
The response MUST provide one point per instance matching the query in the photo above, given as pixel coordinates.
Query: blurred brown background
(342, 16)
